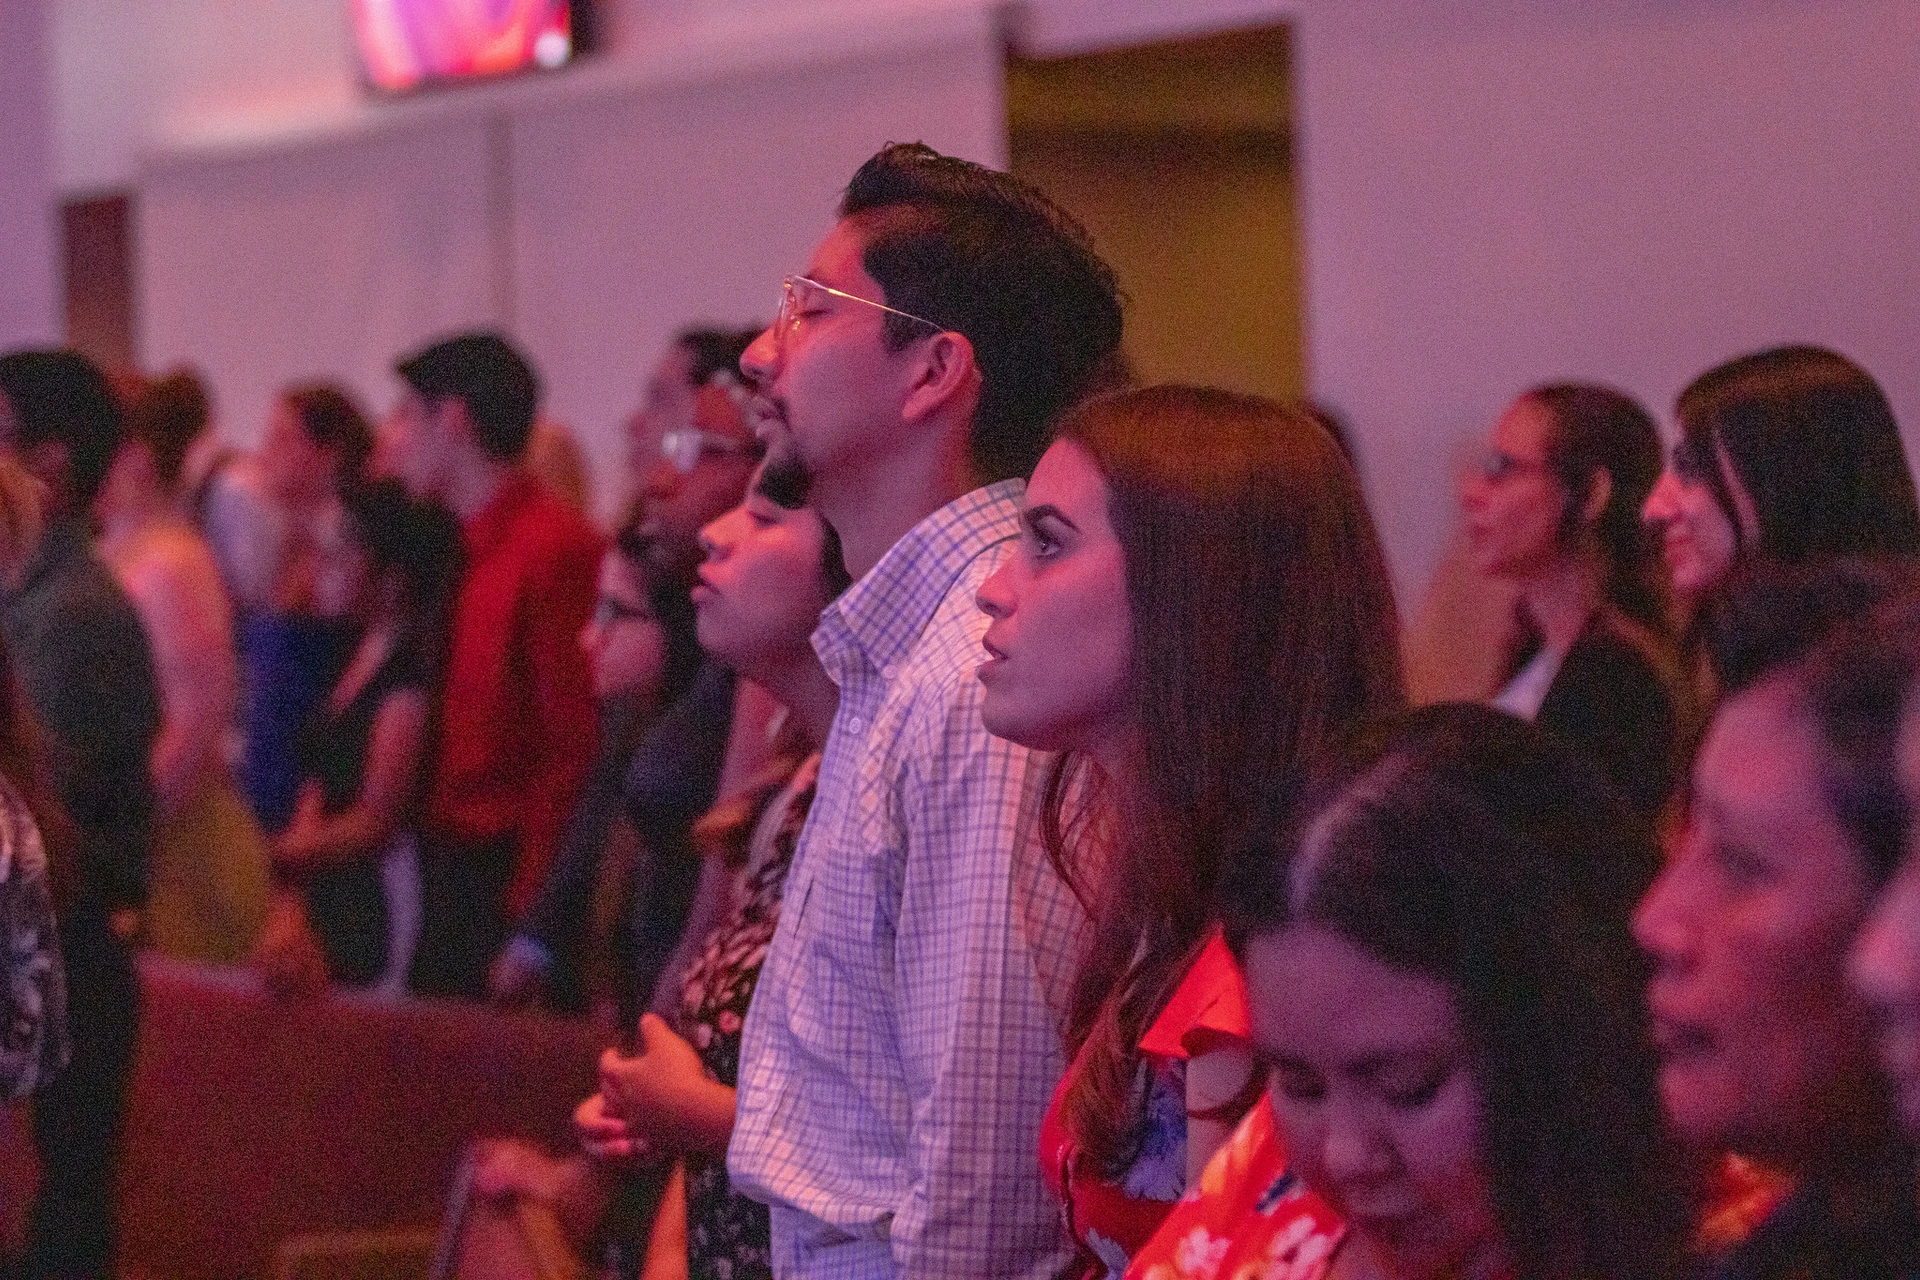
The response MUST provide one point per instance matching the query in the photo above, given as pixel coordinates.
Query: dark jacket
(83, 662)
(1614, 700)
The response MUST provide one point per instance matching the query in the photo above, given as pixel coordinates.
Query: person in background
(81, 657)
(1886, 956)
(209, 891)
(1446, 999)
(665, 764)
(1792, 825)
(291, 647)
(641, 648)
(362, 752)
(553, 458)
(1554, 507)
(697, 358)
(905, 1035)
(519, 725)
(1198, 608)
(769, 571)
(34, 833)
(1788, 455)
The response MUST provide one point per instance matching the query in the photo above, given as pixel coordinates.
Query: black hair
(1599, 429)
(1829, 626)
(61, 397)
(421, 542)
(1470, 846)
(1812, 440)
(714, 352)
(985, 255)
(487, 374)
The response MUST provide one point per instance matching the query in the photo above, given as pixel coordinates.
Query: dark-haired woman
(1445, 998)
(361, 753)
(209, 884)
(1787, 455)
(1554, 508)
(1197, 607)
(1795, 824)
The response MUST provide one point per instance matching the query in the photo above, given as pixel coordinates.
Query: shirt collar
(885, 612)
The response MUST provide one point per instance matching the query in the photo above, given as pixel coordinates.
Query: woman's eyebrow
(1046, 511)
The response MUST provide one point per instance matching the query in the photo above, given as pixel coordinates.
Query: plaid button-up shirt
(904, 1038)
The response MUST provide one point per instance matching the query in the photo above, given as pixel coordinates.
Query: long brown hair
(1263, 628)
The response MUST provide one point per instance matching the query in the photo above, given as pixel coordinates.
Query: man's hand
(517, 978)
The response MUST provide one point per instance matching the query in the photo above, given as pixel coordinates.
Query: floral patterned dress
(33, 989)
(728, 1237)
(1111, 1218)
(1251, 1218)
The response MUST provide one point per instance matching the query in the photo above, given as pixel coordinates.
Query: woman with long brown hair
(1198, 606)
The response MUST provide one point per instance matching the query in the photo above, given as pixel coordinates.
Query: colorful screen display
(405, 43)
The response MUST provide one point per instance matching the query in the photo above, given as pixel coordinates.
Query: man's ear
(944, 374)
(1599, 493)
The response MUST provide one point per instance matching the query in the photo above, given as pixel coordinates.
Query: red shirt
(518, 726)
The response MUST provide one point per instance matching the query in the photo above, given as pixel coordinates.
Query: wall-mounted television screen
(408, 43)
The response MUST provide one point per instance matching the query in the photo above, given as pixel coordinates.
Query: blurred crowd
(1133, 924)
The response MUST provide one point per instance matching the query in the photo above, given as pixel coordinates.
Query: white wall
(1627, 190)
(590, 214)
(29, 271)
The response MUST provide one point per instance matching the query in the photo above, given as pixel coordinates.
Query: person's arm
(1218, 1079)
(710, 906)
(86, 668)
(664, 1096)
(365, 826)
(189, 630)
(566, 729)
(978, 1037)
(33, 991)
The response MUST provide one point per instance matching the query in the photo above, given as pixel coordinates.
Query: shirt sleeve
(1209, 1004)
(565, 717)
(982, 1052)
(33, 1001)
(91, 681)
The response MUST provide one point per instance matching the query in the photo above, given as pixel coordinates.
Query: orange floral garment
(1251, 1218)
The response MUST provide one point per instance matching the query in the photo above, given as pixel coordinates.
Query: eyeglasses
(607, 611)
(683, 446)
(1496, 465)
(796, 297)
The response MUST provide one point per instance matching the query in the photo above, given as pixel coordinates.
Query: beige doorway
(1178, 156)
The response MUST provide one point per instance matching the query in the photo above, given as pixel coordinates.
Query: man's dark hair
(714, 351)
(495, 382)
(62, 397)
(987, 256)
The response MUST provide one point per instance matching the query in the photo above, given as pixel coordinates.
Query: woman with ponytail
(1198, 607)
(1554, 508)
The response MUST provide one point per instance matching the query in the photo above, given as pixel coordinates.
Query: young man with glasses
(905, 1038)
